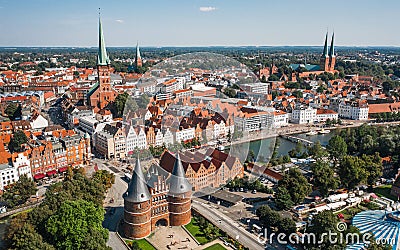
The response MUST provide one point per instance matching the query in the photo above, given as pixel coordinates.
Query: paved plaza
(172, 238)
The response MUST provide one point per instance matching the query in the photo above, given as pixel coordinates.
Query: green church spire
(325, 54)
(102, 58)
(332, 48)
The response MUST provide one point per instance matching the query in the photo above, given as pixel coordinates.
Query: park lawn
(350, 212)
(216, 246)
(195, 231)
(385, 192)
(143, 244)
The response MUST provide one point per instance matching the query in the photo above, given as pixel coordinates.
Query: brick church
(157, 199)
(102, 93)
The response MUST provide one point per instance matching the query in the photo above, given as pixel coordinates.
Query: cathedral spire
(138, 59)
(102, 58)
(325, 54)
(332, 48)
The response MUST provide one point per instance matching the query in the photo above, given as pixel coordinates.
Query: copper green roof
(137, 51)
(102, 58)
(325, 54)
(332, 48)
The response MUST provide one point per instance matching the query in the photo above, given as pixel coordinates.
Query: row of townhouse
(114, 140)
(44, 156)
(211, 169)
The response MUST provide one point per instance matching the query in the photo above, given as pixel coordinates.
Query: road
(231, 227)
(115, 210)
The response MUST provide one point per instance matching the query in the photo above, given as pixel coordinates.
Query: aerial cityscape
(217, 128)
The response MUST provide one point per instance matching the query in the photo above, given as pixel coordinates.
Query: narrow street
(115, 209)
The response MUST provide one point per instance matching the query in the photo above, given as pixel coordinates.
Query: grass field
(350, 212)
(215, 247)
(143, 244)
(385, 192)
(195, 231)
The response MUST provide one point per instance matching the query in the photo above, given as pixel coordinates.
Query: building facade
(158, 199)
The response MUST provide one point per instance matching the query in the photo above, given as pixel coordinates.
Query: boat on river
(323, 131)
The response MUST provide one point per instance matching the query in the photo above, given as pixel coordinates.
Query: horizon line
(188, 46)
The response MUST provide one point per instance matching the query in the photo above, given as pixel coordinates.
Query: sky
(199, 22)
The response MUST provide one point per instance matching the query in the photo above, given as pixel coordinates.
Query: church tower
(137, 206)
(332, 57)
(102, 93)
(138, 59)
(179, 196)
(324, 61)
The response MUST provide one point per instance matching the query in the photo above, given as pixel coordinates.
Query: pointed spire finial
(325, 54)
(332, 48)
(102, 58)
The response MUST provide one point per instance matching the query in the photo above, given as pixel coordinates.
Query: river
(264, 147)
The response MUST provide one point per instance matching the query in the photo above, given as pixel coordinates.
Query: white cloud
(119, 21)
(207, 9)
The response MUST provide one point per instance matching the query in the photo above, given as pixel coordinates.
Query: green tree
(27, 238)
(117, 107)
(352, 171)
(283, 200)
(324, 177)
(373, 167)
(135, 246)
(74, 223)
(268, 217)
(250, 156)
(296, 184)
(337, 148)
(104, 177)
(13, 111)
(273, 78)
(20, 192)
(317, 151)
(143, 101)
(287, 226)
(324, 222)
(17, 140)
(230, 92)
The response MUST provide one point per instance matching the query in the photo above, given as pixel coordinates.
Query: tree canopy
(324, 177)
(74, 223)
(17, 140)
(13, 111)
(19, 192)
(296, 185)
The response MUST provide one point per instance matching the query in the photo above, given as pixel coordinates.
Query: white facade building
(324, 114)
(23, 165)
(353, 110)
(38, 122)
(184, 134)
(303, 115)
(8, 175)
(258, 87)
(281, 119)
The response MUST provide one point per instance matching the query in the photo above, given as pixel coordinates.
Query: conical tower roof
(137, 51)
(137, 189)
(332, 48)
(325, 54)
(178, 184)
(102, 57)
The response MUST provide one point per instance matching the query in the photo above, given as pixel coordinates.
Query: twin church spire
(328, 59)
(102, 57)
